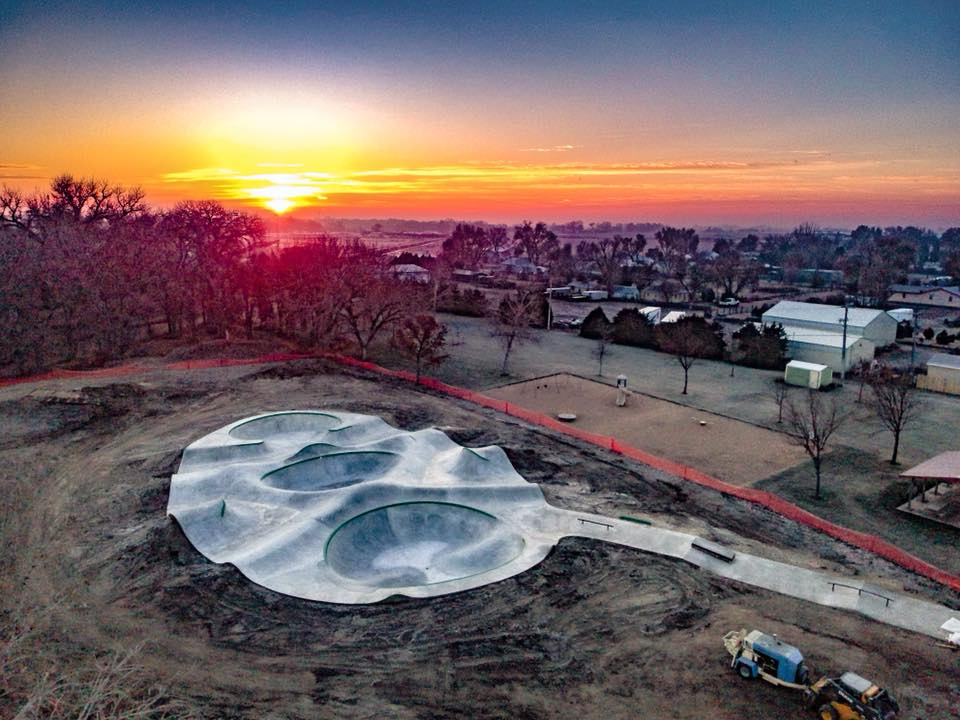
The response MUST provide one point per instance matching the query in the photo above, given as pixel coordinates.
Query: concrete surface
(344, 508)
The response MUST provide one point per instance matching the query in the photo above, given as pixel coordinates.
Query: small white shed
(807, 374)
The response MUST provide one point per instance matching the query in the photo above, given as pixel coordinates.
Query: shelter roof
(945, 466)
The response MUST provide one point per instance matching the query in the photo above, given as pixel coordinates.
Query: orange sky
(452, 116)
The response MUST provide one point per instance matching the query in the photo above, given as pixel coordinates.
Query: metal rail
(860, 591)
(595, 522)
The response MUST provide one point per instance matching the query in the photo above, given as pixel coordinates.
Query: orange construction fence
(865, 541)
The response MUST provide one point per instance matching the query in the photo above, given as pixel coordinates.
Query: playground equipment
(622, 392)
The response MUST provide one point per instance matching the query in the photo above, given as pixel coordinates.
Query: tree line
(89, 270)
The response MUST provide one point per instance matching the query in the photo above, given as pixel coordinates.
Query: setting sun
(284, 192)
(279, 205)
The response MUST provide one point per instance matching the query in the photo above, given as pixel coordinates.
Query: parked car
(728, 302)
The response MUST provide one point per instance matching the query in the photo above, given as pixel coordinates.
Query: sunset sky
(683, 112)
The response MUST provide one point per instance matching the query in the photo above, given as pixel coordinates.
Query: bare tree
(607, 256)
(602, 348)
(895, 401)
(377, 303)
(513, 319)
(779, 396)
(422, 339)
(534, 241)
(688, 340)
(810, 424)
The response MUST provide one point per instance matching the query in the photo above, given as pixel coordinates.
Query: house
(626, 292)
(815, 277)
(943, 374)
(522, 266)
(925, 295)
(875, 325)
(411, 272)
(815, 333)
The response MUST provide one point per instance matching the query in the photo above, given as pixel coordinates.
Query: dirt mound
(594, 631)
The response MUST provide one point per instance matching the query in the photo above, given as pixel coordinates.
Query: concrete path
(844, 593)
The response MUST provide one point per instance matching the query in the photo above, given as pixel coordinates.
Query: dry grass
(114, 687)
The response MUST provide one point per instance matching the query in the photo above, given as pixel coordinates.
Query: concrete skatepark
(341, 507)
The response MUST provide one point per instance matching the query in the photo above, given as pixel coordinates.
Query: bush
(759, 310)
(928, 333)
(470, 302)
(594, 324)
(904, 329)
(766, 349)
(944, 338)
(631, 327)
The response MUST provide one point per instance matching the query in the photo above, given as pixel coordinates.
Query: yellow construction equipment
(850, 697)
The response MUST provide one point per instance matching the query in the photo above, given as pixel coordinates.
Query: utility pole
(549, 306)
(913, 340)
(843, 347)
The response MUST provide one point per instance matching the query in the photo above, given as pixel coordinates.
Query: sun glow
(280, 205)
(283, 192)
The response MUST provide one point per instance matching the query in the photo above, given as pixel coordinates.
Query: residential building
(925, 295)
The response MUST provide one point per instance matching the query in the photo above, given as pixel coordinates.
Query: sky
(736, 113)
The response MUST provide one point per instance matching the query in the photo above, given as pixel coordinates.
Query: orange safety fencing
(865, 541)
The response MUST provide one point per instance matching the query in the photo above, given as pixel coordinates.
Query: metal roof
(944, 360)
(801, 365)
(826, 314)
(813, 336)
(921, 289)
(945, 466)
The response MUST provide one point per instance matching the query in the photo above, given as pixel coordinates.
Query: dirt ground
(90, 559)
(729, 449)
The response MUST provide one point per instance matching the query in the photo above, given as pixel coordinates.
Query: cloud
(799, 174)
(551, 149)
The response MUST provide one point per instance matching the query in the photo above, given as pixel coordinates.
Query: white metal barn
(826, 348)
(876, 326)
